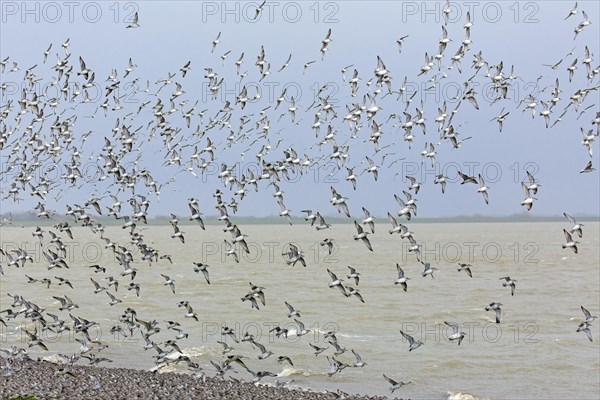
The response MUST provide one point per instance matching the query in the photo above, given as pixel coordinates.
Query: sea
(533, 353)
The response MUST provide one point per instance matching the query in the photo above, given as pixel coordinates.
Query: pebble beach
(47, 380)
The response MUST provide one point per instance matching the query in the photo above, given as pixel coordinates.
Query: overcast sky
(523, 34)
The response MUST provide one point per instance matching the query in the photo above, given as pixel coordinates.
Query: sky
(524, 34)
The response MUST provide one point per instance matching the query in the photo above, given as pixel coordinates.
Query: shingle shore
(47, 380)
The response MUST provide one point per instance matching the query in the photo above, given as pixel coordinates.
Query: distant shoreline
(183, 220)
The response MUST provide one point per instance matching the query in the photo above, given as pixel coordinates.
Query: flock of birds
(38, 130)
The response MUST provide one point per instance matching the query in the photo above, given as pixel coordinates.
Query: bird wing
(400, 271)
(454, 326)
(391, 381)
(567, 236)
(586, 313)
(570, 218)
(367, 243)
(332, 275)
(289, 307)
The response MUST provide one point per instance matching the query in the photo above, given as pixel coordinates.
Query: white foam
(454, 395)
(289, 371)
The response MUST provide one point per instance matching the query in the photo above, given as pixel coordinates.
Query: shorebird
(441, 179)
(329, 243)
(405, 208)
(575, 227)
(306, 65)
(215, 42)
(113, 299)
(372, 168)
(368, 220)
(301, 331)
(359, 362)
(402, 280)
(572, 244)
(230, 251)
(336, 282)
(184, 70)
(588, 167)
(339, 202)
(396, 227)
(97, 268)
(354, 292)
(509, 282)
(136, 287)
(412, 343)
(282, 359)
(467, 179)
(285, 212)
(362, 235)
(395, 385)
(34, 340)
(466, 268)
(350, 177)
(259, 9)
(318, 350)
(226, 347)
(483, 189)
(169, 281)
(414, 247)
(178, 234)
(201, 267)
(310, 216)
(292, 311)
(428, 270)
(191, 314)
(573, 11)
(500, 119)
(294, 255)
(285, 65)
(457, 334)
(63, 281)
(410, 202)
(333, 365)
(322, 224)
(135, 22)
(263, 351)
(585, 327)
(66, 303)
(353, 275)
(533, 183)
(589, 318)
(196, 215)
(97, 286)
(39, 233)
(240, 238)
(528, 201)
(324, 43)
(495, 307)
(414, 185)
(582, 24)
(279, 331)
